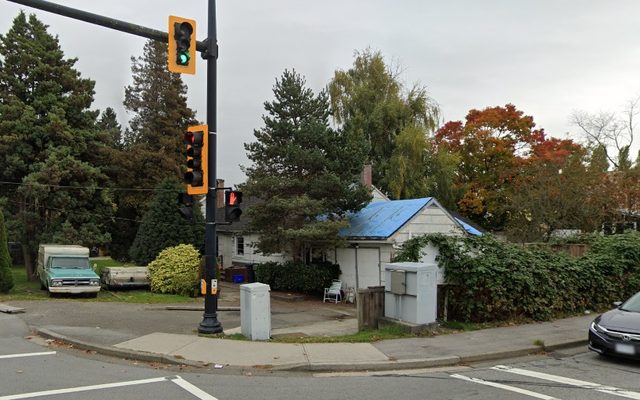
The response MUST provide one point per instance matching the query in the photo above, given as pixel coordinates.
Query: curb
(115, 352)
(444, 361)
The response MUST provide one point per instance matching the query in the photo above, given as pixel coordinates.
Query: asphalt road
(31, 368)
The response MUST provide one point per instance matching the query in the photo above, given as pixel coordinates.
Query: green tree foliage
(554, 189)
(406, 176)
(370, 102)
(598, 163)
(175, 270)
(48, 143)
(163, 226)
(304, 174)
(492, 280)
(153, 145)
(6, 276)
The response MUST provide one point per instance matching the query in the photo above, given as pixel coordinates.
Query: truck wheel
(92, 295)
(52, 294)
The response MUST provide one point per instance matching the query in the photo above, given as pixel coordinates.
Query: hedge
(296, 276)
(492, 280)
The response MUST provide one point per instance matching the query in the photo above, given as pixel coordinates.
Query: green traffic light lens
(183, 58)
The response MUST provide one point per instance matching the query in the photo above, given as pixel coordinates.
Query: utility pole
(210, 323)
(209, 50)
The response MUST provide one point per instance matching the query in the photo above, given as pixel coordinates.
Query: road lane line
(193, 389)
(571, 382)
(505, 387)
(42, 353)
(82, 389)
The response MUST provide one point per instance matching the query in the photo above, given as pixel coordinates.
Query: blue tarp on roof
(470, 229)
(382, 219)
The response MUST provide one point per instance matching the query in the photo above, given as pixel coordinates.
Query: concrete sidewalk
(444, 350)
(167, 333)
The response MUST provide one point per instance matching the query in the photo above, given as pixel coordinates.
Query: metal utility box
(255, 311)
(398, 281)
(418, 302)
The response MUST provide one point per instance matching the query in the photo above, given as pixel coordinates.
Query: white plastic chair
(334, 292)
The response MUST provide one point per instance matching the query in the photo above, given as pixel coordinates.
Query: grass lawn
(26, 290)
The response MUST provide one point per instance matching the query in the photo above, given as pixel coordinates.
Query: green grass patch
(367, 336)
(23, 289)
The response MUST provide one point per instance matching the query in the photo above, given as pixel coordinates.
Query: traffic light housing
(232, 200)
(185, 205)
(197, 139)
(182, 45)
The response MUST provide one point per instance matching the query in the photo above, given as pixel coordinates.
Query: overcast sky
(548, 57)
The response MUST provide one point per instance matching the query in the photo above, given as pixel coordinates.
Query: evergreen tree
(6, 277)
(304, 174)
(46, 123)
(153, 145)
(163, 226)
(370, 102)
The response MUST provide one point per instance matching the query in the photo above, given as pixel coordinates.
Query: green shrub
(296, 276)
(175, 270)
(492, 280)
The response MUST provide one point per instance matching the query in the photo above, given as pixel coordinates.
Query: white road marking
(43, 353)
(194, 390)
(395, 372)
(81, 389)
(571, 382)
(505, 387)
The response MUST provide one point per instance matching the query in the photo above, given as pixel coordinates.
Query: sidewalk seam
(305, 352)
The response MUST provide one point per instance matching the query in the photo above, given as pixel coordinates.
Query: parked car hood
(58, 273)
(617, 319)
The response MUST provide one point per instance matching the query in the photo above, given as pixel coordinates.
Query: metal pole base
(210, 325)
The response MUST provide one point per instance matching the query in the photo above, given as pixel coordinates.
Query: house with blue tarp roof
(378, 230)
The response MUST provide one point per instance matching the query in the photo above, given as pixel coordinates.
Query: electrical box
(255, 311)
(398, 281)
(411, 292)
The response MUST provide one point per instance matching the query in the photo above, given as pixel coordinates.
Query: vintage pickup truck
(66, 269)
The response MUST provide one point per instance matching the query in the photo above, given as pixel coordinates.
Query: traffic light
(182, 45)
(232, 200)
(197, 138)
(185, 203)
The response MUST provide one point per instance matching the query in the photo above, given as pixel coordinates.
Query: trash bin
(238, 278)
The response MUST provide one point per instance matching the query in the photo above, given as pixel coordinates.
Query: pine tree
(6, 277)
(304, 173)
(153, 144)
(50, 131)
(163, 226)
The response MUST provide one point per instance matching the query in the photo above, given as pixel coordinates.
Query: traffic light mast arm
(107, 22)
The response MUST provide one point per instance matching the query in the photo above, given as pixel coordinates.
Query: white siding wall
(228, 249)
(371, 261)
(432, 219)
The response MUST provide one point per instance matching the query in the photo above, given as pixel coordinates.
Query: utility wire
(44, 207)
(87, 187)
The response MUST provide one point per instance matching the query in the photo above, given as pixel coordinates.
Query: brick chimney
(365, 176)
(219, 193)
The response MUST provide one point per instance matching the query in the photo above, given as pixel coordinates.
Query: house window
(240, 245)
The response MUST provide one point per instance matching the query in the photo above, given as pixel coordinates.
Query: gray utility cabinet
(411, 292)
(255, 311)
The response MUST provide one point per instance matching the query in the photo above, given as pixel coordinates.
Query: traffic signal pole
(209, 50)
(210, 323)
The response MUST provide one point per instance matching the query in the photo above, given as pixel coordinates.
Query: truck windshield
(69, 262)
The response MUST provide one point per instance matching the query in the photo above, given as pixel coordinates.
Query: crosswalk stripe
(569, 381)
(193, 389)
(505, 387)
(42, 353)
